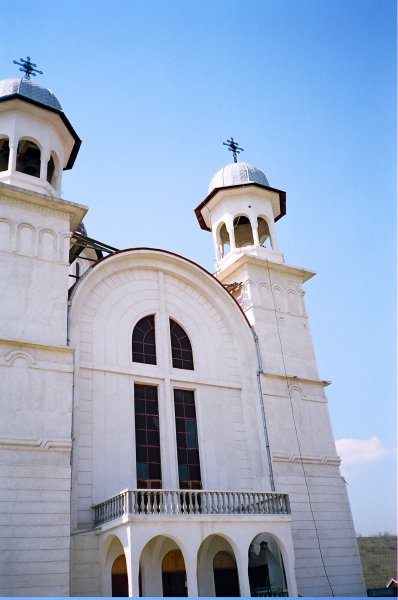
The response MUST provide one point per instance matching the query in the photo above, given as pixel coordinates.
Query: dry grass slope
(379, 559)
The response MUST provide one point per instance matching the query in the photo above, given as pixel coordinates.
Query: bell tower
(37, 143)
(241, 211)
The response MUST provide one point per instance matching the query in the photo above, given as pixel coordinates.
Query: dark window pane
(181, 349)
(190, 426)
(187, 440)
(147, 437)
(143, 341)
(192, 441)
(142, 470)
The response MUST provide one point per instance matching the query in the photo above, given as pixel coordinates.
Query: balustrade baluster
(142, 502)
(224, 503)
(176, 509)
(197, 502)
(155, 504)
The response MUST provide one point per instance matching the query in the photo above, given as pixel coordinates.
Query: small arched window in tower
(50, 170)
(263, 232)
(181, 349)
(224, 240)
(144, 342)
(4, 154)
(243, 232)
(28, 158)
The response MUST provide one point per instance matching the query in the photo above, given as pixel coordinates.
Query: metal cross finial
(233, 147)
(27, 67)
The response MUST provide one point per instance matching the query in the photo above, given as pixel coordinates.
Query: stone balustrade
(189, 502)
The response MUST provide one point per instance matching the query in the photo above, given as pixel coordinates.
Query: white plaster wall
(299, 428)
(34, 245)
(35, 445)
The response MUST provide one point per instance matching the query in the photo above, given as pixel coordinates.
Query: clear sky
(308, 88)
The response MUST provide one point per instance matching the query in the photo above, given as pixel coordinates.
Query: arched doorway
(226, 580)
(120, 584)
(174, 579)
(266, 569)
(216, 568)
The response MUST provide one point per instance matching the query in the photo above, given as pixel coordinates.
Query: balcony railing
(189, 502)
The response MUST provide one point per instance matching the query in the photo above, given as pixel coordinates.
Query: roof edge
(281, 193)
(63, 117)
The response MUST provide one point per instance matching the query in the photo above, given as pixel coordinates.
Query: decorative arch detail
(19, 354)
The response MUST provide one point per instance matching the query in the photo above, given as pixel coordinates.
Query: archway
(217, 571)
(120, 584)
(162, 566)
(174, 579)
(226, 580)
(266, 570)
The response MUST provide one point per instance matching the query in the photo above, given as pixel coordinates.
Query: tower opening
(28, 158)
(263, 232)
(50, 170)
(223, 240)
(243, 232)
(4, 154)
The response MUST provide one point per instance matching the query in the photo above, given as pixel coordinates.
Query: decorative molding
(14, 354)
(296, 380)
(40, 346)
(16, 443)
(307, 459)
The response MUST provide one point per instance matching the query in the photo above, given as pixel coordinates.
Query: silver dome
(236, 174)
(33, 91)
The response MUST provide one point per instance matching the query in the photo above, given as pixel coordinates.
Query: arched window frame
(143, 341)
(181, 347)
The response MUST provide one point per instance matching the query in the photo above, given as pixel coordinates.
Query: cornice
(39, 345)
(74, 211)
(41, 444)
(306, 459)
(299, 273)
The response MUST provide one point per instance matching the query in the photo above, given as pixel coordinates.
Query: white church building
(164, 431)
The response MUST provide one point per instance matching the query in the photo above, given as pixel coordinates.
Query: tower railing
(189, 502)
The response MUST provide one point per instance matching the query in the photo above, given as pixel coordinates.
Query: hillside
(379, 559)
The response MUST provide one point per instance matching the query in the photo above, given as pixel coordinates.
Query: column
(12, 158)
(254, 226)
(44, 158)
(133, 564)
(242, 563)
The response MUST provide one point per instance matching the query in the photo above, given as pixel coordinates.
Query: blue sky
(307, 87)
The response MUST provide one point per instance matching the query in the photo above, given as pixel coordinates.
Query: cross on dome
(233, 147)
(27, 67)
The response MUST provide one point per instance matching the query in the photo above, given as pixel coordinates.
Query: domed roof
(236, 174)
(28, 89)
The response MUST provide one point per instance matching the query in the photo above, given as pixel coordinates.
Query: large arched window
(143, 341)
(181, 349)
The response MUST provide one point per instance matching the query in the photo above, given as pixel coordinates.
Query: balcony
(189, 502)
